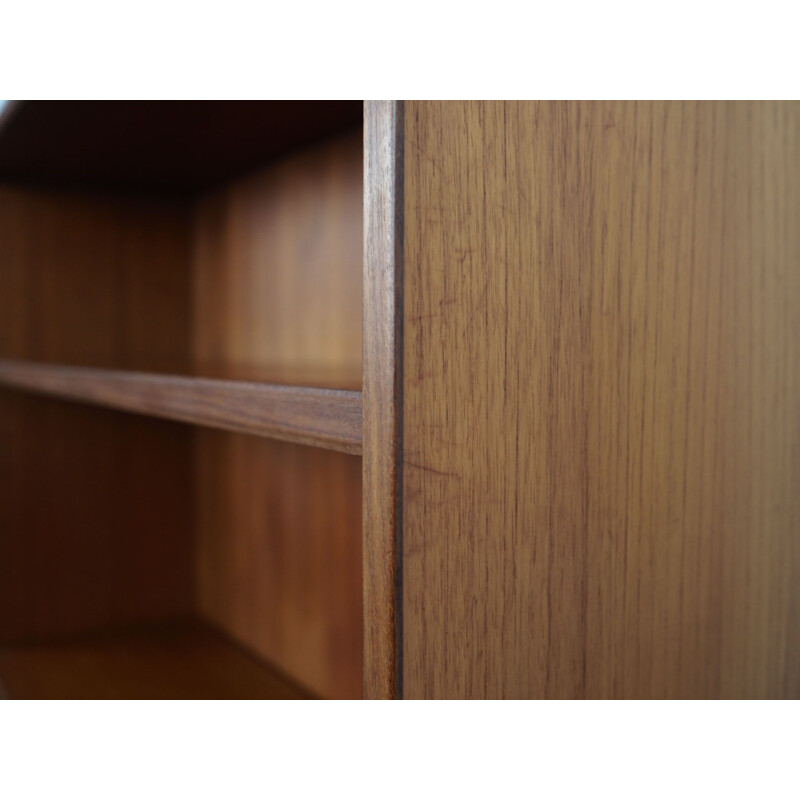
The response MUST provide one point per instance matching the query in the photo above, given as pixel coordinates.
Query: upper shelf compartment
(221, 240)
(255, 277)
(166, 146)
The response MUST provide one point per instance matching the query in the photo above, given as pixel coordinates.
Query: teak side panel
(601, 400)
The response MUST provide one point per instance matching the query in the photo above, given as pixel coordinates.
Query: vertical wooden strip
(382, 399)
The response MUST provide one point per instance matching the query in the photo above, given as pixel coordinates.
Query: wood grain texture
(602, 400)
(171, 661)
(277, 267)
(277, 287)
(383, 205)
(321, 417)
(278, 559)
(95, 506)
(95, 519)
(94, 280)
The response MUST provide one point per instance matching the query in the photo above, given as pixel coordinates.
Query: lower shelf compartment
(178, 661)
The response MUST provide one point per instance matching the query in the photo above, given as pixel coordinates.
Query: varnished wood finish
(383, 206)
(95, 519)
(320, 417)
(175, 146)
(278, 562)
(277, 268)
(176, 661)
(601, 400)
(94, 280)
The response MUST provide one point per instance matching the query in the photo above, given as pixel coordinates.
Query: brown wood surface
(95, 506)
(96, 280)
(383, 206)
(277, 287)
(321, 417)
(601, 400)
(278, 560)
(111, 518)
(277, 267)
(171, 661)
(95, 518)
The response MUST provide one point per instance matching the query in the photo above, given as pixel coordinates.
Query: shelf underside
(180, 146)
(328, 418)
(181, 660)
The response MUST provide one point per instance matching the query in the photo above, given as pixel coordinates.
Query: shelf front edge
(327, 418)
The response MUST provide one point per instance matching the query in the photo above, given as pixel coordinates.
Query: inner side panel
(277, 296)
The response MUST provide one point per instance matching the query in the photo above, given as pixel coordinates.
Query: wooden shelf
(178, 146)
(328, 418)
(182, 660)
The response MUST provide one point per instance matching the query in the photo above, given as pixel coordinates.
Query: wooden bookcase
(199, 262)
(442, 399)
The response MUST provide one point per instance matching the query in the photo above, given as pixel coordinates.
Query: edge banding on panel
(382, 398)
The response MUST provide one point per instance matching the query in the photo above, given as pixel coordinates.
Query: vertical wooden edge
(382, 417)
(399, 381)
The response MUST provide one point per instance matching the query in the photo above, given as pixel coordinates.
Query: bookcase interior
(146, 557)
